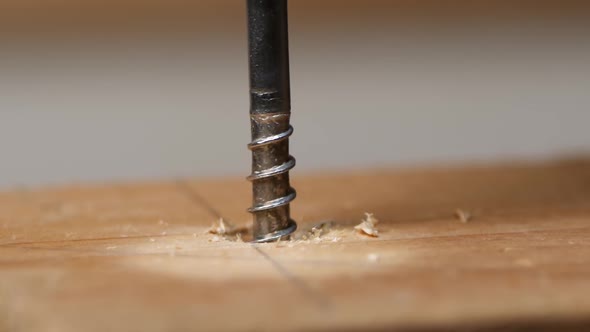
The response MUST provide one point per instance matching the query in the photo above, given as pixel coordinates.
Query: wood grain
(137, 257)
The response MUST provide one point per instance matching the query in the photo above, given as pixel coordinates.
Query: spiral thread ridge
(273, 172)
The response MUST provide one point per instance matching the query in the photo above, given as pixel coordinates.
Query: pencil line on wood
(197, 198)
(191, 193)
(295, 280)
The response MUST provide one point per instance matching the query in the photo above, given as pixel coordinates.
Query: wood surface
(137, 256)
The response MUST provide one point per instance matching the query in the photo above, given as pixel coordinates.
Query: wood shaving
(463, 216)
(222, 227)
(326, 231)
(215, 239)
(316, 234)
(218, 227)
(368, 226)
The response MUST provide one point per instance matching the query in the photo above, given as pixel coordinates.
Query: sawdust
(222, 227)
(215, 239)
(323, 232)
(463, 216)
(368, 226)
(316, 232)
(218, 227)
(225, 231)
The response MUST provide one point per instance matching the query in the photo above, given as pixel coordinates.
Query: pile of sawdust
(323, 232)
(224, 229)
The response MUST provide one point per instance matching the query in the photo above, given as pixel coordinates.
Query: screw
(270, 111)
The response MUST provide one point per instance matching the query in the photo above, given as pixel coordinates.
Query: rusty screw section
(270, 110)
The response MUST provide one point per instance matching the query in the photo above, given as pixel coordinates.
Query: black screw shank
(270, 109)
(269, 56)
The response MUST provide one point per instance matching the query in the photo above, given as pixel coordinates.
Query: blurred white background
(369, 88)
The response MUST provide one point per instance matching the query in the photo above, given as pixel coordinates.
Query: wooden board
(137, 257)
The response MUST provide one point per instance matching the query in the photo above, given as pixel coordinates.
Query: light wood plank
(137, 257)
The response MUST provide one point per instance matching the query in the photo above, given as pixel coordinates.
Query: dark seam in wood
(191, 193)
(295, 280)
(198, 199)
